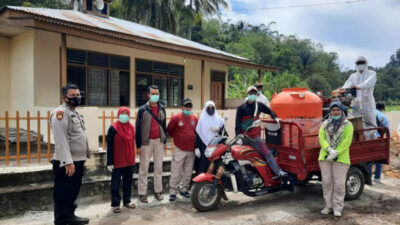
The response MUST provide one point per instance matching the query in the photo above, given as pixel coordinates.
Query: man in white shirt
(364, 81)
(260, 96)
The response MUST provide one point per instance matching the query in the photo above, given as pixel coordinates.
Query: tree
(55, 4)
(198, 8)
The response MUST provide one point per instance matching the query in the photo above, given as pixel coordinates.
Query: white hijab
(206, 122)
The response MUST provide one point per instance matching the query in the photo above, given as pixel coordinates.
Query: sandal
(143, 198)
(117, 209)
(159, 196)
(130, 205)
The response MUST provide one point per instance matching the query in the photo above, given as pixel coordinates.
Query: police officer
(71, 151)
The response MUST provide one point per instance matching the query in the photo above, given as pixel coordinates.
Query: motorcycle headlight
(209, 151)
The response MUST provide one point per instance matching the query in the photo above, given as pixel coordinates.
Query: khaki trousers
(181, 170)
(334, 183)
(155, 149)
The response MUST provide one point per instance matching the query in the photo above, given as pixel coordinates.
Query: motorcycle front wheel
(201, 200)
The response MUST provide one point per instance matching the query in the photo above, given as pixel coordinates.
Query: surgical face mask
(252, 97)
(123, 118)
(336, 117)
(154, 98)
(259, 92)
(74, 102)
(187, 112)
(361, 67)
(210, 111)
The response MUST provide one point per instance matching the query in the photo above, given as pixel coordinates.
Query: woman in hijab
(121, 159)
(209, 118)
(335, 137)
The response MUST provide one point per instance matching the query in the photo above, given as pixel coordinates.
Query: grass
(392, 108)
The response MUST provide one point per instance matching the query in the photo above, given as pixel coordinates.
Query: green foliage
(392, 108)
(243, 78)
(55, 4)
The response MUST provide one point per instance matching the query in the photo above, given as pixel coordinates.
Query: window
(103, 79)
(168, 77)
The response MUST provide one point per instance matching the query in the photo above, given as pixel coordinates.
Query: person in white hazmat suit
(364, 81)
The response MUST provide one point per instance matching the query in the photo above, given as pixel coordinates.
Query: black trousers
(201, 164)
(126, 173)
(66, 190)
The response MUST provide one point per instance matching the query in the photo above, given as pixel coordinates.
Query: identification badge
(193, 123)
(75, 120)
(180, 123)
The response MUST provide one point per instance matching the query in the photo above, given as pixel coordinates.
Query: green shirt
(342, 148)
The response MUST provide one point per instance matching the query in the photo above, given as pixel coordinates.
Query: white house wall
(22, 72)
(4, 74)
(47, 68)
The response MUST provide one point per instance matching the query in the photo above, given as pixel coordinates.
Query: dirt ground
(379, 204)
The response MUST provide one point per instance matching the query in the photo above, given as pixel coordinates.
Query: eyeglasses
(361, 62)
(188, 106)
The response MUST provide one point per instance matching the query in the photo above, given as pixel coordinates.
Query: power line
(307, 5)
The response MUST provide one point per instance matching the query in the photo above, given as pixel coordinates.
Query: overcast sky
(369, 27)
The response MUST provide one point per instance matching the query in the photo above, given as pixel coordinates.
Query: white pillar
(93, 126)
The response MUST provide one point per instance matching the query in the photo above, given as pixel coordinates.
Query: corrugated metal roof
(120, 26)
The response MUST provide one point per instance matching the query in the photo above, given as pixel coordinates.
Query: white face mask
(361, 67)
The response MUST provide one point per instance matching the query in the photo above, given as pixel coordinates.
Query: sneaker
(337, 213)
(326, 211)
(185, 194)
(172, 197)
(283, 174)
(377, 181)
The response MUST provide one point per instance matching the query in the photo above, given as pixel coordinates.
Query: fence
(28, 146)
(168, 149)
(18, 120)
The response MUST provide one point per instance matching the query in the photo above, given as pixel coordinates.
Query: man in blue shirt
(381, 121)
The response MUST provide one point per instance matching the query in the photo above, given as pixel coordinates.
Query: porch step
(31, 188)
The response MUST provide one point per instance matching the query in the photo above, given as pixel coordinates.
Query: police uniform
(71, 147)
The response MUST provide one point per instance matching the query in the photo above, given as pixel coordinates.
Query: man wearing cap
(246, 114)
(260, 96)
(364, 81)
(182, 128)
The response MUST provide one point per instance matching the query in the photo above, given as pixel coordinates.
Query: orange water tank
(303, 107)
(295, 103)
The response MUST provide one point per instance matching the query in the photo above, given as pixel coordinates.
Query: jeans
(378, 170)
(263, 150)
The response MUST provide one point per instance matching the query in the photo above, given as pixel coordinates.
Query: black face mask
(210, 111)
(74, 102)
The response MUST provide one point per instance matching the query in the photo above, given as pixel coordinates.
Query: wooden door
(218, 94)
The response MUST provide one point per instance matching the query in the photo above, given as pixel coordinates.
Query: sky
(369, 27)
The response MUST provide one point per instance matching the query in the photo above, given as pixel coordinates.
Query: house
(113, 62)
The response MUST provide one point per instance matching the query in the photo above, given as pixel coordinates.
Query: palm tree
(160, 14)
(203, 7)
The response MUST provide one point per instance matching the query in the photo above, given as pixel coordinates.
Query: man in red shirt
(150, 138)
(182, 128)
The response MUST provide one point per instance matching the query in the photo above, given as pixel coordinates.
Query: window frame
(155, 75)
(86, 66)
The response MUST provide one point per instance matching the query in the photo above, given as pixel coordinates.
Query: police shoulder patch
(60, 115)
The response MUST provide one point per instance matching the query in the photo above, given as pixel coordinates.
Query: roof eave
(136, 39)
